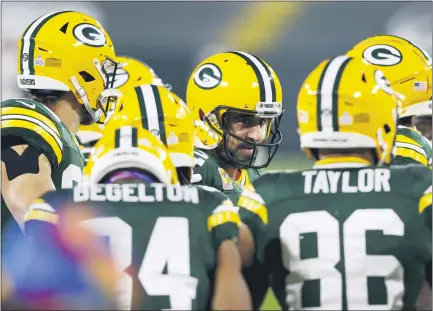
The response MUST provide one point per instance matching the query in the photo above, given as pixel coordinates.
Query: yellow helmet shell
(407, 67)
(129, 146)
(67, 51)
(345, 103)
(164, 114)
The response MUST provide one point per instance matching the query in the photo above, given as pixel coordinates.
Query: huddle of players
(353, 232)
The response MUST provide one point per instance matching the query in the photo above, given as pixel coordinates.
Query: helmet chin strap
(96, 115)
(384, 147)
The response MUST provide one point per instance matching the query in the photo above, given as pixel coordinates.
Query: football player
(350, 233)
(65, 60)
(175, 245)
(409, 70)
(236, 101)
(131, 72)
(165, 115)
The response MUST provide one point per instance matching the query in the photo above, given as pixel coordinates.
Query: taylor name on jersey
(327, 181)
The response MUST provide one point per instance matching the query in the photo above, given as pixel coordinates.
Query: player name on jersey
(136, 193)
(329, 181)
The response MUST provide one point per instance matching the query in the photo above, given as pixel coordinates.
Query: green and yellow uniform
(343, 236)
(209, 173)
(411, 147)
(29, 122)
(165, 238)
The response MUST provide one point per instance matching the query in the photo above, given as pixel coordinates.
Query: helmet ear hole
(64, 28)
(87, 77)
(363, 78)
(201, 114)
(387, 128)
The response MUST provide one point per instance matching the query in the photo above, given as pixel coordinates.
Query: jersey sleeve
(201, 174)
(43, 215)
(32, 126)
(425, 206)
(223, 220)
(208, 173)
(254, 215)
(411, 148)
(422, 191)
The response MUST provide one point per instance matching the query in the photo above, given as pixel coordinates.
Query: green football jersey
(343, 238)
(85, 148)
(165, 238)
(209, 173)
(34, 124)
(412, 147)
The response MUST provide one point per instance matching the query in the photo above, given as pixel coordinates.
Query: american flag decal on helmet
(420, 86)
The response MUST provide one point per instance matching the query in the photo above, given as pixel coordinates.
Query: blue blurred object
(45, 273)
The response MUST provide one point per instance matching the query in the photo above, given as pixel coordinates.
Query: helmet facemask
(424, 125)
(245, 152)
(108, 99)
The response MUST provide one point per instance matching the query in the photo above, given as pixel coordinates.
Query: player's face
(424, 125)
(247, 127)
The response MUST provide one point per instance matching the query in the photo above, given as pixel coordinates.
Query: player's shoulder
(409, 135)
(35, 125)
(276, 185)
(211, 194)
(413, 177)
(208, 172)
(276, 177)
(273, 185)
(203, 165)
(29, 108)
(408, 131)
(415, 170)
(204, 160)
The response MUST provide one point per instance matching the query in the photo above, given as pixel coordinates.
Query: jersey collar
(341, 162)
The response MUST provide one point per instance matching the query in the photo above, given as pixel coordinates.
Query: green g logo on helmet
(208, 76)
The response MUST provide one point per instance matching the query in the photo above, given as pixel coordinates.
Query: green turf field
(284, 162)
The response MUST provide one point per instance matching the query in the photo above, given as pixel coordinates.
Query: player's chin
(244, 155)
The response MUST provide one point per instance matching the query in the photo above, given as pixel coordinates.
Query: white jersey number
(358, 265)
(70, 175)
(168, 246)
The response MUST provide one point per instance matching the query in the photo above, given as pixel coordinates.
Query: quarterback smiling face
(247, 127)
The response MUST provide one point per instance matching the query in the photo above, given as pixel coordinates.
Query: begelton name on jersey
(136, 193)
(329, 181)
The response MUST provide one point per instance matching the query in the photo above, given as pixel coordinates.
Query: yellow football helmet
(407, 66)
(345, 103)
(236, 82)
(129, 147)
(134, 73)
(68, 51)
(130, 73)
(165, 115)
